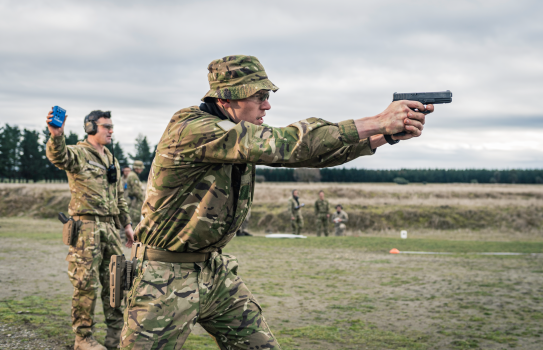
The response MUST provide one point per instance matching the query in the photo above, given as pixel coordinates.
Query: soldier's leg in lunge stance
(163, 306)
(319, 225)
(325, 225)
(84, 261)
(110, 245)
(229, 312)
(167, 299)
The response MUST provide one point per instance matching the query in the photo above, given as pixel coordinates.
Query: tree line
(22, 155)
(515, 176)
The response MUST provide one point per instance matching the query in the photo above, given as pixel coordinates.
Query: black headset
(90, 121)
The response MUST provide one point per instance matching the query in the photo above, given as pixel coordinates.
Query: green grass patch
(49, 236)
(351, 333)
(384, 244)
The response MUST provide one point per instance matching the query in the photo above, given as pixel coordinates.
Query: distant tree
(492, 180)
(474, 181)
(72, 138)
(538, 180)
(497, 176)
(260, 178)
(401, 181)
(10, 138)
(307, 175)
(32, 156)
(143, 153)
(513, 177)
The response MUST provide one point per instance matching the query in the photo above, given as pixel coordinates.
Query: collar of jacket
(213, 109)
(85, 143)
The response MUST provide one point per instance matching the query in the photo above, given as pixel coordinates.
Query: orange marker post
(394, 251)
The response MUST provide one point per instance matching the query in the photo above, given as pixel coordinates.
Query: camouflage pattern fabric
(202, 179)
(88, 268)
(340, 227)
(322, 224)
(321, 213)
(298, 223)
(86, 170)
(136, 197)
(237, 77)
(168, 299)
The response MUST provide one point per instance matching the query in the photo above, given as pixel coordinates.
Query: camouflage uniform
(295, 212)
(321, 213)
(200, 188)
(340, 226)
(135, 196)
(97, 240)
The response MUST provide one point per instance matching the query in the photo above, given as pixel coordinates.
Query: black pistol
(425, 98)
(63, 218)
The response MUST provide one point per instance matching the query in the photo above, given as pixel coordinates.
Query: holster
(121, 275)
(69, 231)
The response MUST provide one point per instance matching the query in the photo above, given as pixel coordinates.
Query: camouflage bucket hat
(138, 164)
(237, 77)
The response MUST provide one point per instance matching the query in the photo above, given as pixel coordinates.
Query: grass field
(316, 293)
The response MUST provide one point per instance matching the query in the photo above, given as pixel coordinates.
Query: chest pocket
(95, 170)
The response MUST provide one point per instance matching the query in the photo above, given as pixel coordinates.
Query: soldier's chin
(259, 121)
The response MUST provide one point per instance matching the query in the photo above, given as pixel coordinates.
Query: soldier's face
(103, 135)
(321, 195)
(250, 109)
(295, 193)
(126, 171)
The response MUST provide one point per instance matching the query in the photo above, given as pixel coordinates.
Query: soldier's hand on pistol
(129, 233)
(55, 131)
(400, 116)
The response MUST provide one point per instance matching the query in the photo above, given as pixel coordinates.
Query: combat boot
(87, 343)
(113, 338)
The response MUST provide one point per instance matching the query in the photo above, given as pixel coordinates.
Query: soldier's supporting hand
(55, 131)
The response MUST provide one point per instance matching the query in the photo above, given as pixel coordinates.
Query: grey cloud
(333, 60)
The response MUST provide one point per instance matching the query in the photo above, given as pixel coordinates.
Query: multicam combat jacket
(321, 206)
(293, 208)
(341, 215)
(86, 170)
(202, 179)
(134, 190)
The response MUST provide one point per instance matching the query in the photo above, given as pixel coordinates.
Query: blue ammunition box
(58, 117)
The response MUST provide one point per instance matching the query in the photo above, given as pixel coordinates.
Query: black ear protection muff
(90, 121)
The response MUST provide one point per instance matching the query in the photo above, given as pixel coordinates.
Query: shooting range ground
(327, 292)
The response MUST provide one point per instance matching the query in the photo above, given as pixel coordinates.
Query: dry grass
(476, 195)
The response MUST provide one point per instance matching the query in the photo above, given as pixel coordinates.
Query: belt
(108, 219)
(171, 257)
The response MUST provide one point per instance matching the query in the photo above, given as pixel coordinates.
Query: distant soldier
(97, 204)
(322, 213)
(294, 208)
(340, 218)
(134, 191)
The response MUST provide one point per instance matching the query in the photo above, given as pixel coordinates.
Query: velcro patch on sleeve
(225, 125)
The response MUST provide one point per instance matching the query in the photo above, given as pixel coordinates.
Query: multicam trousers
(297, 224)
(88, 267)
(340, 229)
(322, 224)
(168, 299)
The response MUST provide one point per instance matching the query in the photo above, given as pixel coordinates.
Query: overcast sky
(335, 60)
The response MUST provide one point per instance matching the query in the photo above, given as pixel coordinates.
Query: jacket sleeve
(64, 157)
(345, 217)
(124, 215)
(307, 143)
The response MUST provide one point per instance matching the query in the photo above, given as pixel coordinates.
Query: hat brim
(242, 91)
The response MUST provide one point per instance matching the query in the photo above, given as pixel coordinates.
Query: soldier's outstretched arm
(62, 156)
